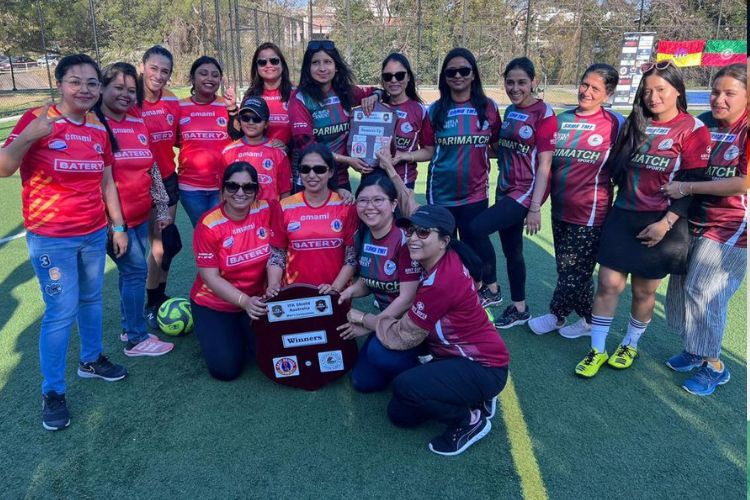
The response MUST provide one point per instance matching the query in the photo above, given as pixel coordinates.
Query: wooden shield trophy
(296, 342)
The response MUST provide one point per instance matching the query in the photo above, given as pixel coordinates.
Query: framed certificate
(368, 134)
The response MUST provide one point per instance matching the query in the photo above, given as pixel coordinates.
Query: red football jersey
(161, 118)
(203, 136)
(238, 249)
(279, 126)
(131, 168)
(411, 115)
(272, 165)
(61, 175)
(316, 238)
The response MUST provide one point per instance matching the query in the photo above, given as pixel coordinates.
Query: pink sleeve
(429, 306)
(427, 135)
(696, 149)
(205, 247)
(546, 131)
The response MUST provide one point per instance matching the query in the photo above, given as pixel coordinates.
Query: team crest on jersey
(389, 267)
(484, 125)
(228, 242)
(665, 144)
(336, 225)
(170, 118)
(268, 164)
(285, 106)
(184, 120)
(98, 148)
(142, 139)
(293, 226)
(58, 145)
(526, 132)
(595, 140)
(221, 121)
(505, 125)
(262, 233)
(406, 127)
(731, 153)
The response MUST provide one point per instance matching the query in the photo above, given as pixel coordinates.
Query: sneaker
(55, 414)
(124, 336)
(456, 440)
(488, 408)
(148, 347)
(589, 366)
(623, 357)
(578, 329)
(512, 317)
(706, 380)
(102, 368)
(684, 362)
(150, 315)
(544, 324)
(488, 299)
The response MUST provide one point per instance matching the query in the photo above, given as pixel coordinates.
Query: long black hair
(342, 83)
(478, 97)
(108, 75)
(633, 134)
(198, 63)
(256, 83)
(411, 87)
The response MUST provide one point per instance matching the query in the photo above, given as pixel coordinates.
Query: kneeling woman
(470, 365)
(227, 293)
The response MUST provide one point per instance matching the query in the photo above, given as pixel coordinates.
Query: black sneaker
(55, 414)
(149, 314)
(489, 299)
(488, 407)
(456, 440)
(102, 368)
(512, 317)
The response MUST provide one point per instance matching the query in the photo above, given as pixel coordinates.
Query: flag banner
(684, 53)
(724, 52)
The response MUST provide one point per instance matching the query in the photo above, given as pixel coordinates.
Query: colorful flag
(684, 53)
(724, 52)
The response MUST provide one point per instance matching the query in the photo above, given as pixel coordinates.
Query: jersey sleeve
(360, 92)
(352, 226)
(546, 132)
(696, 149)
(284, 175)
(205, 247)
(427, 134)
(430, 304)
(407, 269)
(301, 120)
(278, 231)
(27, 118)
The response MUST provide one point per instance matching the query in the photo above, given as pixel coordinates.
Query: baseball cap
(430, 217)
(257, 105)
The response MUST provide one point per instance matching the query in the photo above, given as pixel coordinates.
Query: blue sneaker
(684, 362)
(706, 380)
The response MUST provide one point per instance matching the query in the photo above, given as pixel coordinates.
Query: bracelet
(679, 189)
(669, 224)
(240, 296)
(122, 228)
(535, 211)
(232, 110)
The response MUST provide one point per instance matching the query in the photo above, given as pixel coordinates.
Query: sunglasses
(275, 61)
(421, 232)
(662, 65)
(318, 169)
(232, 187)
(320, 45)
(398, 75)
(250, 118)
(452, 72)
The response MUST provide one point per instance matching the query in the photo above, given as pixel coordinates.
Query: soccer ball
(175, 317)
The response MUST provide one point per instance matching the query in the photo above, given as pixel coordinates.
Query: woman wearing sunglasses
(271, 163)
(228, 290)
(470, 366)
(717, 259)
(269, 75)
(386, 271)
(400, 88)
(203, 136)
(65, 161)
(319, 109)
(140, 186)
(645, 234)
(581, 196)
(317, 230)
(456, 138)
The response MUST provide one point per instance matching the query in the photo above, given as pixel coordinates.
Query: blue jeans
(377, 365)
(70, 271)
(132, 269)
(197, 203)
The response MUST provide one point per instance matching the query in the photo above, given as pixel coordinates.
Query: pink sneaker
(124, 336)
(149, 347)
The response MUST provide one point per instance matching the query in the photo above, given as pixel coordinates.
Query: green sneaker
(623, 357)
(589, 366)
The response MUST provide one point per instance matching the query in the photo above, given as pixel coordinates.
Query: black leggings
(480, 243)
(507, 217)
(226, 339)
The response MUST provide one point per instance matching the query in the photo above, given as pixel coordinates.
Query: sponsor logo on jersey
(665, 144)
(205, 255)
(203, 135)
(243, 229)
(462, 112)
(268, 164)
(78, 166)
(514, 146)
(657, 130)
(375, 249)
(595, 140)
(463, 140)
(78, 138)
(317, 243)
(185, 120)
(277, 118)
(336, 225)
(248, 256)
(228, 242)
(293, 226)
(389, 267)
(331, 101)
(526, 132)
(651, 162)
(402, 143)
(320, 114)
(719, 137)
(731, 153)
(382, 286)
(721, 171)
(126, 154)
(314, 217)
(418, 310)
(364, 261)
(162, 136)
(331, 129)
(401, 114)
(58, 145)
(515, 115)
(584, 155)
(577, 126)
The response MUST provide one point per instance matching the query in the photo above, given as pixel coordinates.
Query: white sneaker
(547, 323)
(578, 329)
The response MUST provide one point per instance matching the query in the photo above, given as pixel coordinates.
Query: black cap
(257, 105)
(430, 217)
(172, 244)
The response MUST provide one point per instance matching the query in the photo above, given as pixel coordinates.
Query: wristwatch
(123, 228)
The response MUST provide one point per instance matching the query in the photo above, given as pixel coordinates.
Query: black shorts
(170, 184)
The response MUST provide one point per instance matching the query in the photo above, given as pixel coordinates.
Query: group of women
(266, 188)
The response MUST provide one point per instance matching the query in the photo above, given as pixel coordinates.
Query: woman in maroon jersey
(717, 259)
(645, 235)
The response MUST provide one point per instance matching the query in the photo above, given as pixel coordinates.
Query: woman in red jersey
(232, 244)
(270, 80)
(645, 234)
(203, 136)
(317, 230)
(65, 160)
(140, 186)
(470, 366)
(160, 111)
(717, 220)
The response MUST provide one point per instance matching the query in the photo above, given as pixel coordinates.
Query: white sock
(599, 330)
(635, 330)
